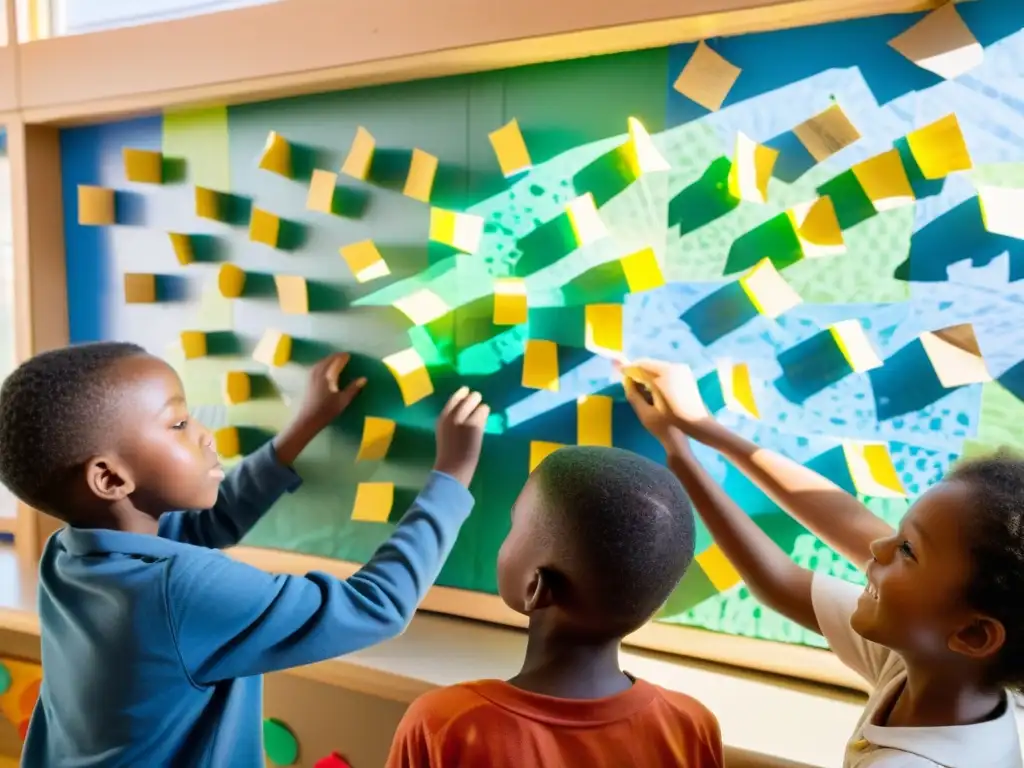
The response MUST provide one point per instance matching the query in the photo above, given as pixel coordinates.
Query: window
(76, 17)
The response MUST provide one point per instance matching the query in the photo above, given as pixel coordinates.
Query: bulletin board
(875, 336)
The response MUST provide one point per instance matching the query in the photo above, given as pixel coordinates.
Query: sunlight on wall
(6, 293)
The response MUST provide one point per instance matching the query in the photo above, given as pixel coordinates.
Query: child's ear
(981, 639)
(108, 479)
(538, 592)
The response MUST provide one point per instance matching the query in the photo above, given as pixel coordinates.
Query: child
(153, 643)
(938, 631)
(600, 537)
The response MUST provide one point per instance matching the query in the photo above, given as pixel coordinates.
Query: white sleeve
(834, 602)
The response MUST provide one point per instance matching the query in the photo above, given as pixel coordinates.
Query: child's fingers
(479, 417)
(453, 401)
(334, 365)
(347, 395)
(466, 407)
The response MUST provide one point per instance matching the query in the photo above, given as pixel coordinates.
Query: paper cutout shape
(641, 154)
(95, 206)
(277, 155)
(411, 374)
(768, 290)
(540, 450)
(510, 148)
(292, 294)
(603, 328)
(227, 442)
(941, 43)
(365, 261)
(230, 281)
(817, 228)
(594, 420)
(420, 181)
(193, 344)
(586, 223)
(182, 245)
(826, 133)
(872, 470)
(884, 180)
(1001, 210)
(707, 78)
(422, 307)
(540, 365)
(274, 349)
(5, 679)
(510, 303)
(333, 760)
(461, 231)
(940, 148)
(717, 568)
(854, 344)
(28, 698)
(143, 166)
(237, 387)
(642, 270)
(737, 389)
(208, 204)
(955, 355)
(264, 227)
(360, 155)
(377, 437)
(139, 289)
(374, 502)
(322, 186)
(752, 166)
(279, 743)
(24, 678)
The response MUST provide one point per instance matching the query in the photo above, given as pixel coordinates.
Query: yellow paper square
(817, 228)
(510, 304)
(586, 223)
(193, 344)
(642, 270)
(322, 186)
(956, 356)
(237, 387)
(540, 450)
(373, 502)
(277, 155)
(227, 442)
(143, 166)
(365, 261)
(603, 331)
(422, 307)
(738, 389)
(208, 203)
(420, 181)
(274, 349)
(707, 78)
(884, 180)
(826, 133)
(293, 294)
(768, 290)
(411, 375)
(854, 344)
(510, 148)
(377, 437)
(540, 365)
(941, 43)
(642, 155)
(940, 148)
(594, 420)
(1001, 209)
(360, 155)
(459, 230)
(264, 227)
(751, 169)
(872, 470)
(717, 568)
(139, 289)
(230, 281)
(182, 245)
(95, 206)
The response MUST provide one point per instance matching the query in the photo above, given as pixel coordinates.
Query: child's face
(168, 458)
(915, 599)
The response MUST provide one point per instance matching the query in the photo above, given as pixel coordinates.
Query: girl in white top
(939, 630)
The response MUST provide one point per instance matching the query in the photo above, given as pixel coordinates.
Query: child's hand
(460, 435)
(674, 396)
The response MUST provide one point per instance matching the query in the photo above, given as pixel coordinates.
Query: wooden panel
(309, 45)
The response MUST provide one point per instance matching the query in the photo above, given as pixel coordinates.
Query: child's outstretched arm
(771, 576)
(832, 514)
(229, 620)
(255, 485)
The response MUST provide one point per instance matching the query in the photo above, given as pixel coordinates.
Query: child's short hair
(996, 532)
(626, 525)
(52, 409)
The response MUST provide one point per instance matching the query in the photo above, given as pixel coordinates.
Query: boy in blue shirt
(153, 641)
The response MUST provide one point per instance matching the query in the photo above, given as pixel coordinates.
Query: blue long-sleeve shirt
(153, 647)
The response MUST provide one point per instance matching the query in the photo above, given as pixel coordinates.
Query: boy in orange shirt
(600, 537)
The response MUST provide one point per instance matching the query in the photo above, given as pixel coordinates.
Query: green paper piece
(5, 679)
(279, 743)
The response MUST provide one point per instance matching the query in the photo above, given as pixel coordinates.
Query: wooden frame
(127, 71)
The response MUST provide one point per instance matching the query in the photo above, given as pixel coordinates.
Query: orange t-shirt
(491, 724)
